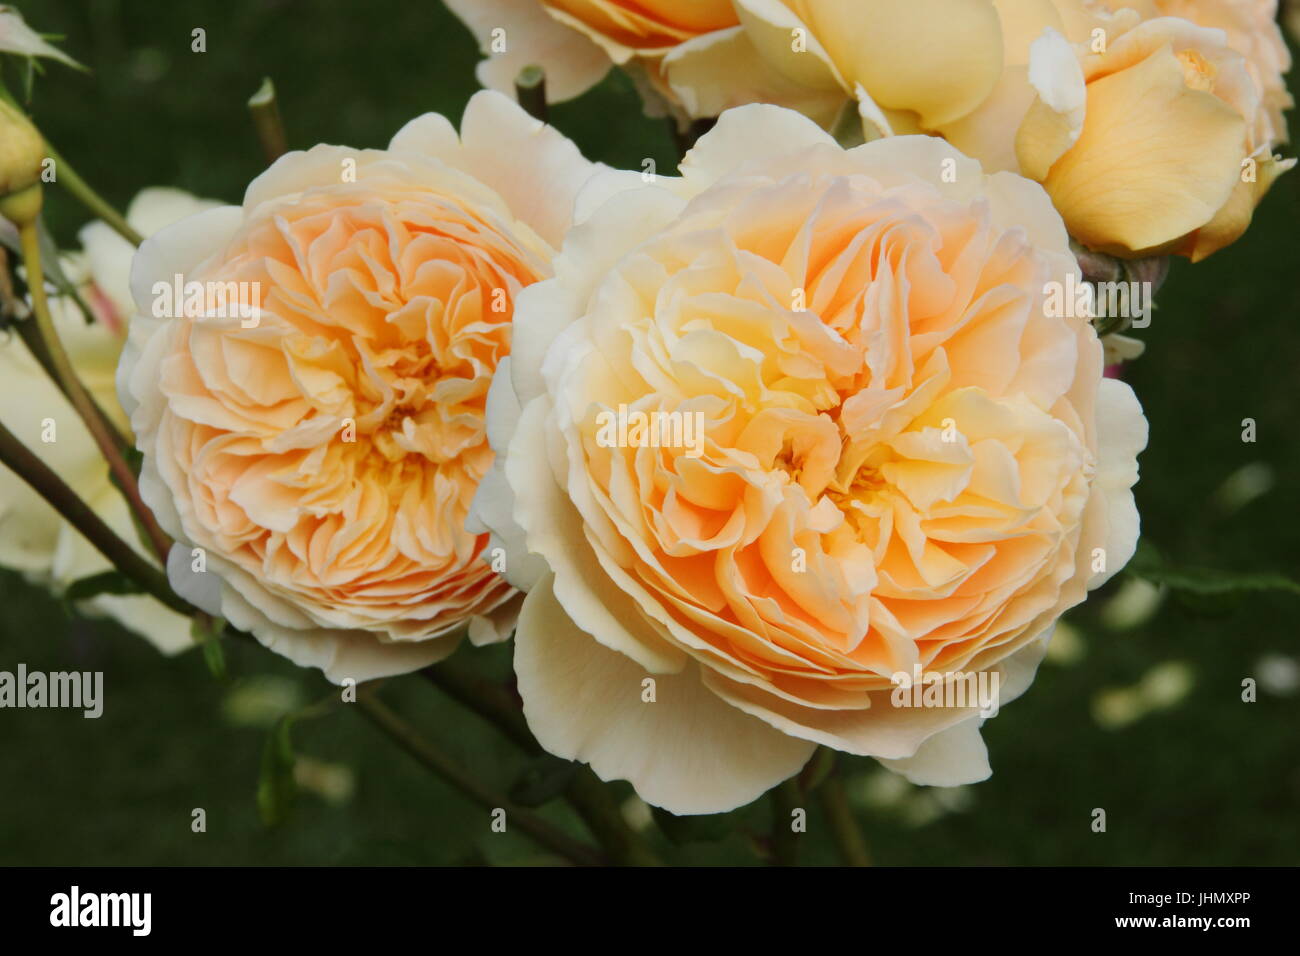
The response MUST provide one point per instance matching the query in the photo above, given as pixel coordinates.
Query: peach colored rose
(1108, 135)
(33, 538)
(576, 41)
(315, 458)
(890, 453)
(621, 26)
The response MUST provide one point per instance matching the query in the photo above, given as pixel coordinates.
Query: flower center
(1198, 72)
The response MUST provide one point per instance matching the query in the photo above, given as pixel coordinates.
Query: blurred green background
(1138, 710)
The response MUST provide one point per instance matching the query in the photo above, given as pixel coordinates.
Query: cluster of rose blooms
(908, 462)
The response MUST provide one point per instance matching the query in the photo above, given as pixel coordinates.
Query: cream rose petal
(720, 70)
(1122, 435)
(950, 758)
(573, 63)
(686, 751)
(18, 38)
(495, 135)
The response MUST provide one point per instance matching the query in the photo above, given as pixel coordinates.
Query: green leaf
(542, 781)
(277, 791)
(54, 273)
(1205, 590)
(106, 582)
(206, 632)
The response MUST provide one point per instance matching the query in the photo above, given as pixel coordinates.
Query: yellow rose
(33, 538)
(312, 418)
(782, 428)
(988, 133)
(1152, 145)
(927, 66)
(1252, 30)
(910, 64)
(924, 62)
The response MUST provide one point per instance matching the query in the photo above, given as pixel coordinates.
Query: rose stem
(848, 836)
(35, 344)
(585, 792)
(530, 91)
(27, 466)
(66, 377)
(405, 736)
(68, 178)
(265, 110)
(786, 798)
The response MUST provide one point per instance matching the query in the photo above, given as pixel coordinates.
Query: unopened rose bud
(22, 151)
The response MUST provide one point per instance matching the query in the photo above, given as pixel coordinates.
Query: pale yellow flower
(1151, 145)
(33, 538)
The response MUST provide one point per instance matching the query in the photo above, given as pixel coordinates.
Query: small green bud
(22, 151)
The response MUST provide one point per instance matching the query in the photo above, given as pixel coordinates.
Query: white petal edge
(950, 758)
(1122, 433)
(687, 751)
(1057, 78)
(535, 168)
(749, 134)
(573, 63)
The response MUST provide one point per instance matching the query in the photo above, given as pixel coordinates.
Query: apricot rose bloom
(315, 461)
(576, 41)
(905, 459)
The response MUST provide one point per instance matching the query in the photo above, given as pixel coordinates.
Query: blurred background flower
(34, 540)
